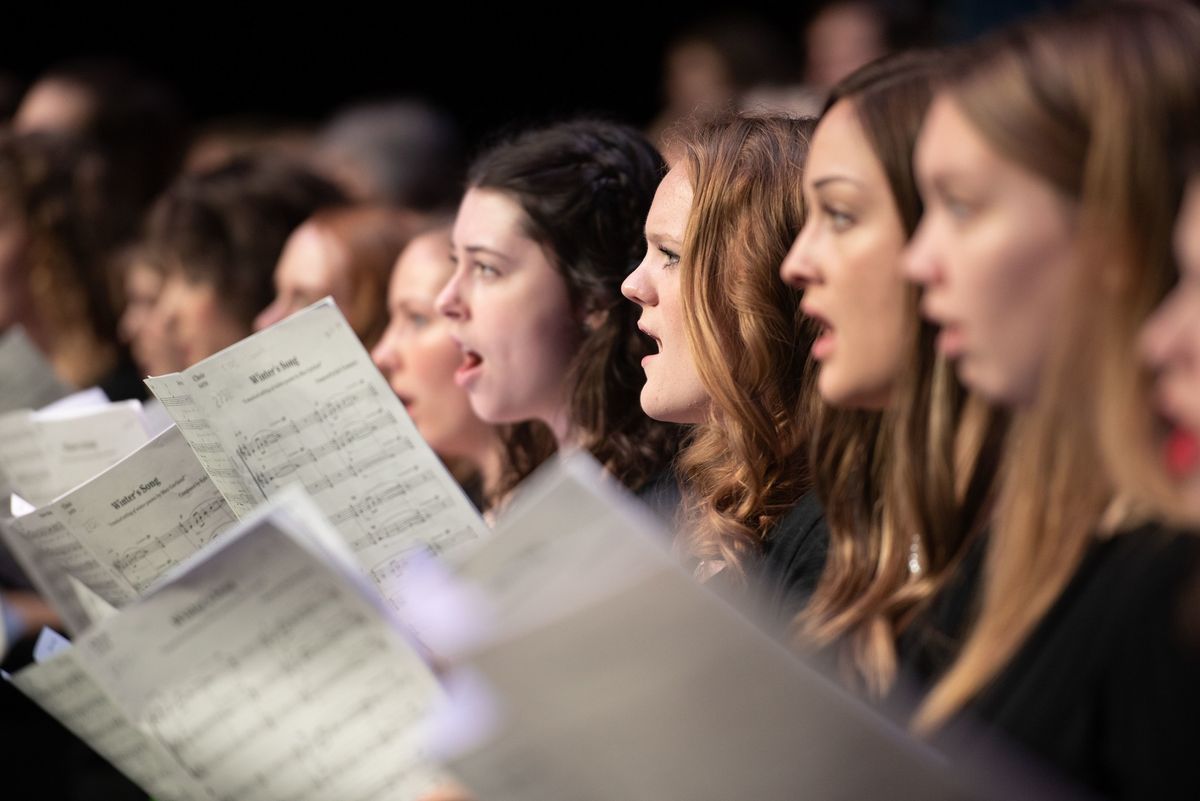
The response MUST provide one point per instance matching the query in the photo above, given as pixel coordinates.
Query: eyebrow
(482, 249)
(829, 179)
(653, 237)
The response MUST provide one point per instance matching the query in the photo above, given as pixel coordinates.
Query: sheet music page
(60, 685)
(301, 403)
(27, 381)
(44, 454)
(50, 553)
(180, 402)
(553, 552)
(657, 689)
(118, 533)
(269, 673)
(91, 398)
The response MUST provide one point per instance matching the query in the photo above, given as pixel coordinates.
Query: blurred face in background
(54, 106)
(840, 39)
(143, 285)
(418, 356)
(847, 261)
(994, 253)
(696, 77)
(192, 321)
(1171, 347)
(313, 264)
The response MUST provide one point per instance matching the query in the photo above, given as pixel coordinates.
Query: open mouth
(1181, 452)
(658, 346)
(823, 343)
(468, 370)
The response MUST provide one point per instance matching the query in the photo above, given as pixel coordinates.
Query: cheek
(538, 337)
(433, 360)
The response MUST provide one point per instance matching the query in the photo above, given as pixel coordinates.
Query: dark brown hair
(227, 227)
(585, 187)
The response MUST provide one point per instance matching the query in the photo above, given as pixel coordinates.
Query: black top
(1107, 687)
(929, 645)
(663, 496)
(793, 556)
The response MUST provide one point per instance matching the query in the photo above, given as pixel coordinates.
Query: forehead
(489, 218)
(423, 267)
(840, 148)
(672, 204)
(949, 141)
(309, 255)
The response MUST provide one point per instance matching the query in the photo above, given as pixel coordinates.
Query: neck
(490, 464)
(565, 435)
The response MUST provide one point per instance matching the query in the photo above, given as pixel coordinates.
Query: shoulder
(792, 558)
(798, 536)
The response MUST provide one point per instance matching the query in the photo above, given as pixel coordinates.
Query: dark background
(489, 66)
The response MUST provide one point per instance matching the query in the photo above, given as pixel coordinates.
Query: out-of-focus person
(217, 237)
(401, 153)
(419, 358)
(347, 253)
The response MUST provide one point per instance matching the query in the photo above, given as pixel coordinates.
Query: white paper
(45, 454)
(268, 672)
(27, 381)
(61, 686)
(301, 403)
(91, 398)
(655, 689)
(19, 507)
(120, 532)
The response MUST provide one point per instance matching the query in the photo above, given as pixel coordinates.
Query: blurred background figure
(401, 153)
(347, 253)
(837, 38)
(711, 65)
(841, 37)
(10, 96)
(135, 124)
(217, 237)
(53, 245)
(219, 141)
(142, 282)
(419, 358)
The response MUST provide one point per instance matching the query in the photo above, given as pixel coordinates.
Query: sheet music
(657, 689)
(269, 673)
(27, 381)
(301, 403)
(120, 532)
(44, 454)
(179, 402)
(64, 689)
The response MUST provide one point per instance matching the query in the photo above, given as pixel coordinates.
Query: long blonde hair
(747, 465)
(922, 469)
(1094, 103)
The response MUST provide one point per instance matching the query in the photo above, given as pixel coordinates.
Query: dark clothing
(930, 644)
(664, 497)
(793, 556)
(1107, 688)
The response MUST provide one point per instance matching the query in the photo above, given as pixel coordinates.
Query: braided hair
(585, 187)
